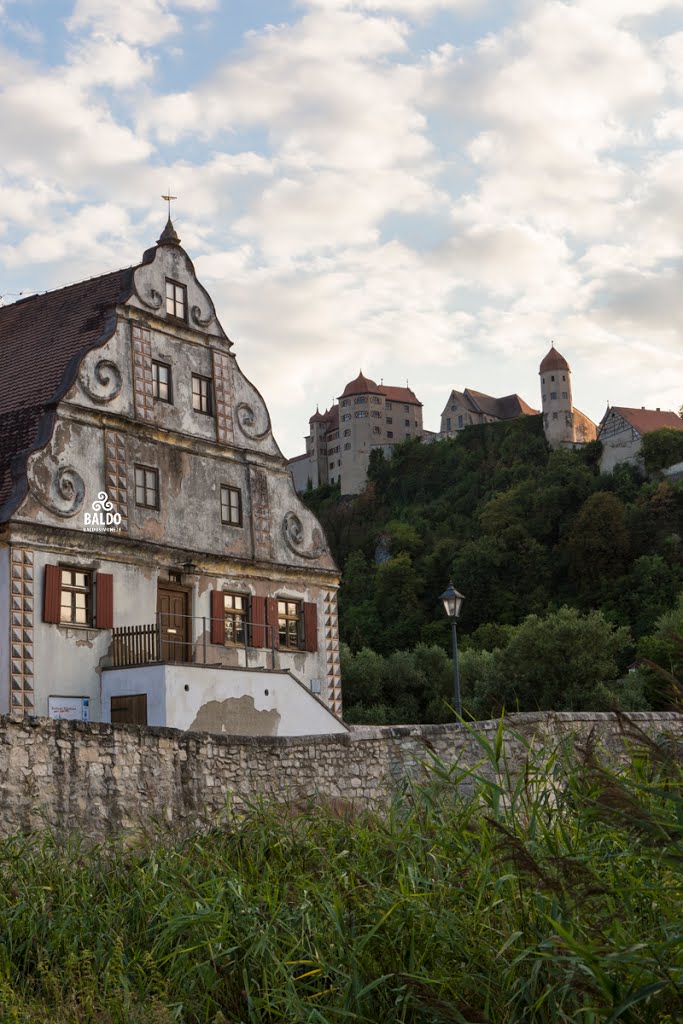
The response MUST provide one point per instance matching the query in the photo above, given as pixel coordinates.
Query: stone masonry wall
(103, 780)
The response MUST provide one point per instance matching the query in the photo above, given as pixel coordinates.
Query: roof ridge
(65, 287)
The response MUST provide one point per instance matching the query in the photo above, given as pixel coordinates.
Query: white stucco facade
(232, 701)
(111, 424)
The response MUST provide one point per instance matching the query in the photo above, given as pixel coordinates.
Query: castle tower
(556, 397)
(318, 446)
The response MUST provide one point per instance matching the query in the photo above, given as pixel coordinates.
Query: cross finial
(167, 199)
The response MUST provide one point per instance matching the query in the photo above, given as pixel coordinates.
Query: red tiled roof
(553, 361)
(647, 420)
(317, 417)
(299, 458)
(42, 342)
(362, 385)
(400, 395)
(332, 417)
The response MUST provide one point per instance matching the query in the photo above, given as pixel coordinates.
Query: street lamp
(452, 602)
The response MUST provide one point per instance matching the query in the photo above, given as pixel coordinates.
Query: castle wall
(101, 779)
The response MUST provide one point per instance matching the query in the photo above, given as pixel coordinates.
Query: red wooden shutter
(51, 597)
(258, 622)
(217, 617)
(104, 594)
(272, 634)
(311, 625)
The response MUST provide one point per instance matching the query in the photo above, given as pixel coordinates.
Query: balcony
(186, 639)
(169, 673)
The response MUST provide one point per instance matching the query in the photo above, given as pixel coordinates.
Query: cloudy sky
(431, 190)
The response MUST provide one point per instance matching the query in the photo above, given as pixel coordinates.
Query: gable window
(176, 299)
(290, 624)
(202, 395)
(448, 423)
(235, 611)
(75, 597)
(162, 388)
(146, 487)
(460, 423)
(231, 506)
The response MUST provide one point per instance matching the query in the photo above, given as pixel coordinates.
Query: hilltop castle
(366, 416)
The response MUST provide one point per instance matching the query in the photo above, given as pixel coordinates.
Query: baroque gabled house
(156, 564)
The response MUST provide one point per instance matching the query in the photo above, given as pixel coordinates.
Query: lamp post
(452, 602)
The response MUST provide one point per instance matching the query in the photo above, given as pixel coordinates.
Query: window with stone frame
(176, 299)
(146, 487)
(235, 608)
(290, 623)
(75, 597)
(202, 394)
(231, 506)
(162, 382)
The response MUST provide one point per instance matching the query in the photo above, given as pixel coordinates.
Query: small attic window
(176, 299)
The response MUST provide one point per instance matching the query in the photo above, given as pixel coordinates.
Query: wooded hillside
(520, 529)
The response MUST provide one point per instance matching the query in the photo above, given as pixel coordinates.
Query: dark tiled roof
(553, 361)
(42, 341)
(647, 420)
(506, 408)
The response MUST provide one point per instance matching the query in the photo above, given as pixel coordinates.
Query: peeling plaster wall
(213, 700)
(68, 659)
(101, 779)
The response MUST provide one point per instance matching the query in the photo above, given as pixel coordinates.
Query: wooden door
(173, 611)
(131, 709)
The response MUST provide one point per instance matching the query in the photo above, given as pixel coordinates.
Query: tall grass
(552, 894)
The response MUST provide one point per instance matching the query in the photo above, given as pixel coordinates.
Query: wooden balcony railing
(135, 645)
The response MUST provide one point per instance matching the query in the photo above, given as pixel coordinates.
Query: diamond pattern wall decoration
(142, 372)
(115, 474)
(334, 695)
(222, 378)
(22, 589)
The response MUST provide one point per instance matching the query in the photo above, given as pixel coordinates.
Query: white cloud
(145, 22)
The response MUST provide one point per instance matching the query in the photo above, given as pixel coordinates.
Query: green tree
(662, 448)
(598, 543)
(565, 661)
(398, 604)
